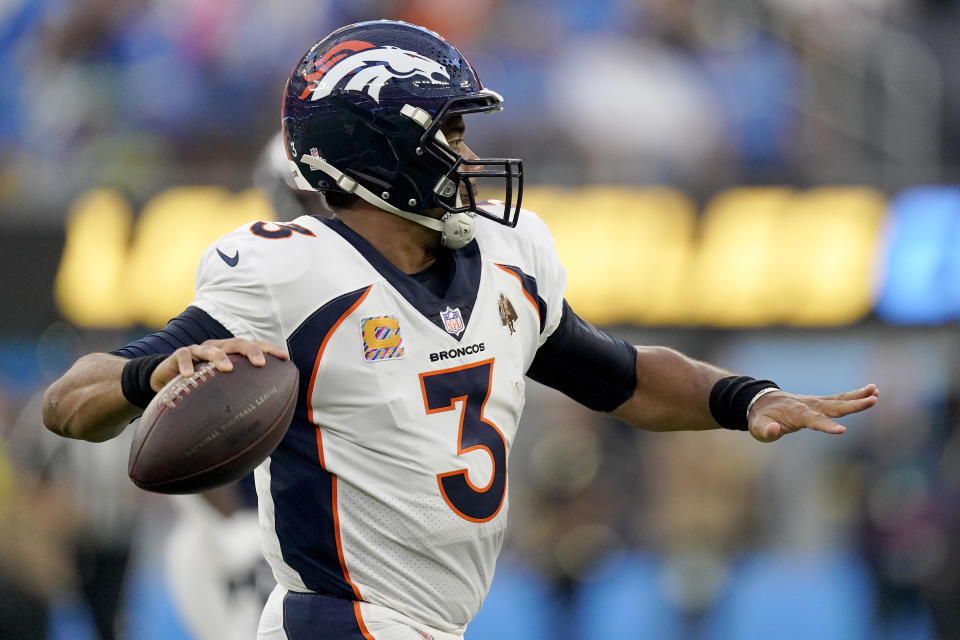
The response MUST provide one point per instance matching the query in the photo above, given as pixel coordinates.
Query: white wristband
(759, 395)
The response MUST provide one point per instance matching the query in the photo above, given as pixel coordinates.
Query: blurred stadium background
(767, 184)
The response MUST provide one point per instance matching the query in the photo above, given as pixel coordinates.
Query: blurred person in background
(592, 496)
(943, 590)
(700, 503)
(218, 578)
(433, 578)
(910, 524)
(702, 96)
(272, 175)
(37, 525)
(93, 517)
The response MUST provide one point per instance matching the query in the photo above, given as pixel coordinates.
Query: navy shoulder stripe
(587, 364)
(529, 285)
(307, 340)
(303, 491)
(193, 326)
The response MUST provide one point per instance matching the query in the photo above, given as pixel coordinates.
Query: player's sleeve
(230, 300)
(574, 357)
(235, 290)
(193, 326)
(585, 363)
(550, 275)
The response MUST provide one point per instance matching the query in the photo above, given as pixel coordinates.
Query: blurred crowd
(700, 94)
(696, 93)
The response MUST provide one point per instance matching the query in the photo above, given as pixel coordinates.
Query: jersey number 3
(469, 385)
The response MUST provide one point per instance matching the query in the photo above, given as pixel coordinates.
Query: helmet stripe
(335, 55)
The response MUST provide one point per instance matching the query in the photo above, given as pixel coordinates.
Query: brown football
(214, 427)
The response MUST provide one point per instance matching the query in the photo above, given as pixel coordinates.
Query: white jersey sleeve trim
(232, 285)
(531, 248)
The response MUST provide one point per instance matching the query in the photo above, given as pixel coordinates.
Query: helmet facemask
(448, 188)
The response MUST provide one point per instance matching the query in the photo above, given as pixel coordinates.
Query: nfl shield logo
(452, 321)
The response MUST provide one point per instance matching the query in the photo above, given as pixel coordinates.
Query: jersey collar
(461, 294)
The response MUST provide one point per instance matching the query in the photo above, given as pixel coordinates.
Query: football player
(384, 508)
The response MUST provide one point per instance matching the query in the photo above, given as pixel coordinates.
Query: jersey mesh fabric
(386, 540)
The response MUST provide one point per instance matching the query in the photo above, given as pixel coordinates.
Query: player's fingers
(240, 346)
(274, 350)
(769, 428)
(838, 408)
(166, 371)
(210, 353)
(819, 422)
(255, 355)
(253, 350)
(768, 432)
(184, 358)
(869, 391)
(256, 351)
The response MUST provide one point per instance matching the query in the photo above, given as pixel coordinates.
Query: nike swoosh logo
(231, 261)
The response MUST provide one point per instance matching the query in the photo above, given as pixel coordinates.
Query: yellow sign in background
(754, 256)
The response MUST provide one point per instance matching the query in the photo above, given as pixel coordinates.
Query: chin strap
(456, 229)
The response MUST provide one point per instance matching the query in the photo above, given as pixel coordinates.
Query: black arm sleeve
(193, 326)
(587, 364)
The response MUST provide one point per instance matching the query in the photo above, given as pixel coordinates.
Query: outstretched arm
(660, 389)
(673, 394)
(88, 402)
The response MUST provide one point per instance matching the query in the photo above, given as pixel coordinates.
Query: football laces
(175, 392)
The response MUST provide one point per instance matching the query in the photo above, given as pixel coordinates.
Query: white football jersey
(391, 484)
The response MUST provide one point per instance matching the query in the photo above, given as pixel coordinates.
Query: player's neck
(409, 246)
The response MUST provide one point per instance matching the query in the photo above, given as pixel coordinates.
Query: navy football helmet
(363, 112)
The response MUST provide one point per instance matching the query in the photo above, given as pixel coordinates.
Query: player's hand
(182, 360)
(776, 414)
